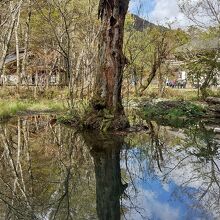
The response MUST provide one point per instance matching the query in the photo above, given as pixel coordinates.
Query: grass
(13, 102)
(44, 105)
(55, 99)
(174, 94)
(8, 109)
(188, 94)
(13, 107)
(26, 93)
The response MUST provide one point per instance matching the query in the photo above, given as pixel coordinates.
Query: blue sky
(159, 11)
(142, 6)
(172, 198)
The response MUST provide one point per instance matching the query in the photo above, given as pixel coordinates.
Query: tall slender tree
(14, 12)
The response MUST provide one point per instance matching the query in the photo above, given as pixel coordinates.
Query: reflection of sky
(157, 200)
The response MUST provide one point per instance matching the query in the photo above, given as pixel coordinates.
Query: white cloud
(167, 11)
(150, 207)
(163, 12)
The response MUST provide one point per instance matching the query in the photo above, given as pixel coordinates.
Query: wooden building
(42, 68)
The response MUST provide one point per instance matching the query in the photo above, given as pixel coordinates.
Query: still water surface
(50, 171)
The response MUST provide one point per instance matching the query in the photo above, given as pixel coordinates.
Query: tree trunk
(150, 78)
(26, 42)
(14, 11)
(17, 48)
(213, 100)
(111, 58)
(161, 84)
(206, 84)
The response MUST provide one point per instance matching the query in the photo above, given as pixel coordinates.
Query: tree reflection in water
(49, 171)
(105, 150)
(54, 178)
(181, 165)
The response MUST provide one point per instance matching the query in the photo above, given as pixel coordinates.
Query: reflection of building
(41, 68)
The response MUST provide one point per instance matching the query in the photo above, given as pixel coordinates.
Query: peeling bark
(111, 58)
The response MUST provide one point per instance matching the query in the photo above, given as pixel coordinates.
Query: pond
(51, 171)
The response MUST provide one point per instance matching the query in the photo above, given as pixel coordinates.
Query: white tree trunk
(26, 43)
(14, 8)
(17, 46)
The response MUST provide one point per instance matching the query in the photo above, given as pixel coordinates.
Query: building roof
(12, 57)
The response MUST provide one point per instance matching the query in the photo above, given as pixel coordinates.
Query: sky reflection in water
(164, 174)
(160, 200)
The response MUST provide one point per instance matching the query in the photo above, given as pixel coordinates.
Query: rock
(213, 111)
(214, 108)
(217, 130)
(213, 100)
(169, 104)
(138, 128)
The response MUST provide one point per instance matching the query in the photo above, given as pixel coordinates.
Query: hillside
(141, 23)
